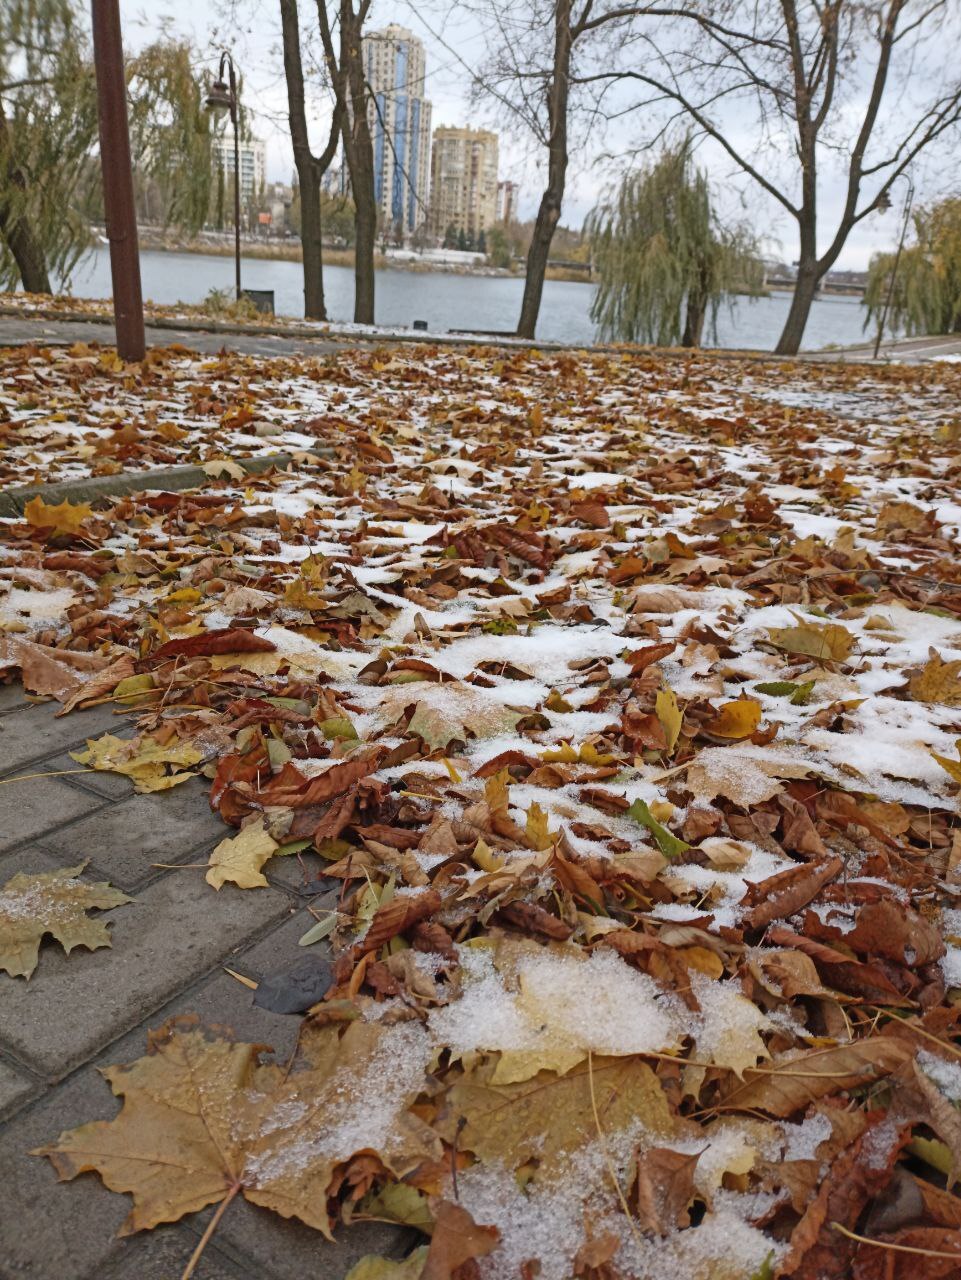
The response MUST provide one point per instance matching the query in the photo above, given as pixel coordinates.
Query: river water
(448, 301)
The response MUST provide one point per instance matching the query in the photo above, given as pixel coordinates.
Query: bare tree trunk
(549, 210)
(14, 227)
(810, 269)
(360, 159)
(308, 172)
(350, 85)
(805, 292)
(694, 322)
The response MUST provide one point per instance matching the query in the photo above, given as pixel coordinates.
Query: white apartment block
(253, 162)
(400, 118)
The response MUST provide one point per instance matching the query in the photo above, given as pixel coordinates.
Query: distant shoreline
(290, 251)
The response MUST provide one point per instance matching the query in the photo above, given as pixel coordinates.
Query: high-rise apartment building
(253, 162)
(399, 114)
(506, 201)
(463, 186)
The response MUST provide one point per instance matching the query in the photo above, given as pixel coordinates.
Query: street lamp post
(883, 204)
(118, 199)
(221, 100)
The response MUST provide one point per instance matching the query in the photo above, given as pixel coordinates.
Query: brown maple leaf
(203, 1121)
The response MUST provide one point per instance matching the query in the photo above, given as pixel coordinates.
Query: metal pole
(908, 201)
(120, 213)
(234, 117)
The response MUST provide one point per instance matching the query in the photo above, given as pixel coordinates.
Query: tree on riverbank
(49, 181)
(310, 168)
(342, 38)
(48, 121)
(872, 84)
(532, 76)
(927, 288)
(664, 263)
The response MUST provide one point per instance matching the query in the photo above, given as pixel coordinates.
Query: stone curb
(347, 336)
(352, 337)
(93, 488)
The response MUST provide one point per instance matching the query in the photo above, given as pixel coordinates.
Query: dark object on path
(420, 325)
(296, 988)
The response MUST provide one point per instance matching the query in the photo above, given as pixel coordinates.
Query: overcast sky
(452, 42)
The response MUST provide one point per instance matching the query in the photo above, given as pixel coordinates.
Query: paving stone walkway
(91, 1009)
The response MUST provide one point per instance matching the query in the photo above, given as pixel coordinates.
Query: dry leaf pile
(621, 697)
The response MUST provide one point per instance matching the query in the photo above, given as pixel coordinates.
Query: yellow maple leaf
(239, 858)
(938, 681)
(57, 521)
(203, 1119)
(143, 759)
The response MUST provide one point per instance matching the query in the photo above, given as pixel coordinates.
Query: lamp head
(219, 100)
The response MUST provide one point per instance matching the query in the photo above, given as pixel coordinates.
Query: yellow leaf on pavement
(240, 858)
(54, 902)
(142, 759)
(56, 520)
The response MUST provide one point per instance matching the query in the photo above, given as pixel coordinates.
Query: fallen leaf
(62, 520)
(800, 1077)
(142, 759)
(54, 902)
(737, 719)
(830, 642)
(669, 716)
(206, 643)
(239, 859)
(202, 1121)
(663, 1189)
(938, 681)
(670, 845)
(456, 1239)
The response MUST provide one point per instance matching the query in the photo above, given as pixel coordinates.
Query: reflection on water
(454, 301)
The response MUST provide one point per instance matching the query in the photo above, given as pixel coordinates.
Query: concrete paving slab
(123, 839)
(36, 804)
(287, 1250)
(163, 1253)
(34, 732)
(51, 1230)
(15, 1087)
(300, 873)
(12, 696)
(75, 1005)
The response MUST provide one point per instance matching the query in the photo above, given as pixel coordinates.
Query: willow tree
(170, 133)
(664, 263)
(49, 181)
(48, 121)
(927, 288)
